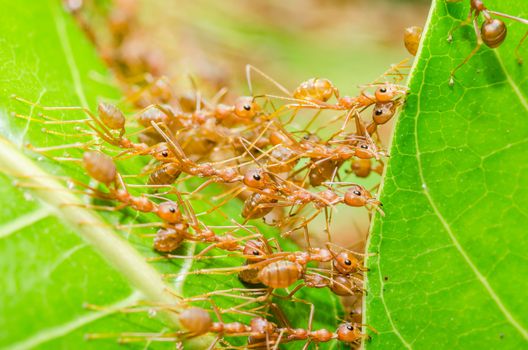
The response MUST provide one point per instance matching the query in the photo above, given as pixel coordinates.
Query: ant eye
(165, 153)
(350, 327)
(172, 210)
(378, 112)
(306, 137)
(384, 90)
(247, 107)
(357, 193)
(364, 146)
(257, 177)
(348, 262)
(256, 252)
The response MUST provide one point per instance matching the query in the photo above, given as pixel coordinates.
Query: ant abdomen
(100, 166)
(342, 286)
(323, 172)
(196, 320)
(315, 89)
(257, 206)
(411, 39)
(111, 116)
(361, 167)
(281, 274)
(165, 175)
(493, 32)
(167, 240)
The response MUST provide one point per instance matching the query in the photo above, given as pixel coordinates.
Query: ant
(492, 31)
(364, 167)
(175, 226)
(197, 321)
(109, 119)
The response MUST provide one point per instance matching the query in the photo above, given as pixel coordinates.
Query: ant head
(246, 107)
(111, 116)
(256, 178)
(311, 138)
(100, 166)
(357, 196)
(383, 112)
(255, 248)
(196, 320)
(365, 150)
(388, 92)
(493, 32)
(345, 262)
(162, 152)
(348, 332)
(169, 212)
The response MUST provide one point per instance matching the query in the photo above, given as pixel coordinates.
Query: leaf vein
(23, 221)
(481, 278)
(49, 334)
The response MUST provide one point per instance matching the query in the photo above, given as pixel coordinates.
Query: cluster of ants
(251, 150)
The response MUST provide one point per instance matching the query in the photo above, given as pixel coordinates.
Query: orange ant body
(102, 168)
(363, 167)
(315, 92)
(108, 119)
(175, 229)
(261, 333)
(411, 39)
(492, 32)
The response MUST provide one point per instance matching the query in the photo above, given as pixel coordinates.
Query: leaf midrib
(89, 226)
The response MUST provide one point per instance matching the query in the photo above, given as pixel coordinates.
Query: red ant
(492, 32)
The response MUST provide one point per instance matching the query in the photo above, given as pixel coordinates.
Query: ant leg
(517, 53)
(201, 187)
(77, 145)
(316, 115)
(214, 342)
(279, 338)
(249, 68)
(48, 120)
(465, 22)
(328, 218)
(92, 116)
(305, 223)
(231, 195)
(471, 54)
(307, 237)
(292, 117)
(505, 15)
(343, 127)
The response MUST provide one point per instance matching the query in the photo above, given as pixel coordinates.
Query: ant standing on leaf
(492, 31)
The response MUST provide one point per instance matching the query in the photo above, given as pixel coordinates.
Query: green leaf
(448, 261)
(55, 254)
